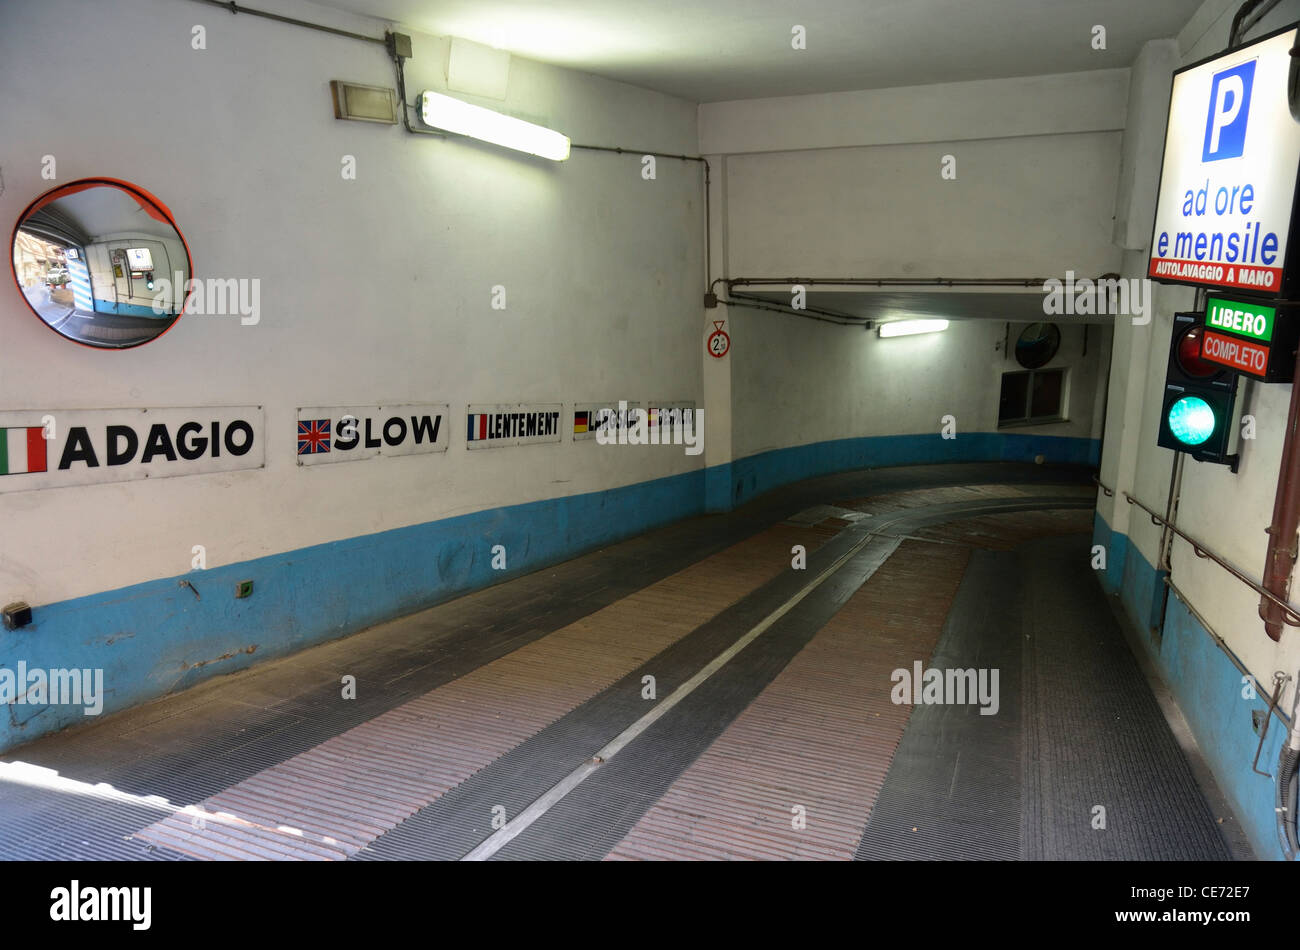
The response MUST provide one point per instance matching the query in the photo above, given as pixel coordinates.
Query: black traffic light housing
(1211, 394)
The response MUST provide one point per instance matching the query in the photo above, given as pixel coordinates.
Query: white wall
(820, 382)
(1030, 206)
(1228, 512)
(372, 291)
(850, 185)
(943, 112)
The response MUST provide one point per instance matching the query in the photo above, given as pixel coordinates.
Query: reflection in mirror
(101, 262)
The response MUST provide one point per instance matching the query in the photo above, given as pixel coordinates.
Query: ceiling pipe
(812, 313)
(885, 281)
(232, 7)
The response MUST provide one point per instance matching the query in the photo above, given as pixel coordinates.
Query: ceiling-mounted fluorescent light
(452, 115)
(909, 327)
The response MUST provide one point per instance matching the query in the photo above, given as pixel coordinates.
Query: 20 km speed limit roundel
(719, 343)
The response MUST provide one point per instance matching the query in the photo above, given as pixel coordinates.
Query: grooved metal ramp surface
(1095, 735)
(1078, 728)
(490, 703)
(796, 774)
(461, 819)
(92, 823)
(189, 746)
(953, 791)
(192, 745)
(591, 819)
(183, 750)
(330, 801)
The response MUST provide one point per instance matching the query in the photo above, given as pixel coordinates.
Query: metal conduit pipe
(1284, 799)
(845, 319)
(831, 316)
(1280, 559)
(1248, 15)
(885, 281)
(232, 7)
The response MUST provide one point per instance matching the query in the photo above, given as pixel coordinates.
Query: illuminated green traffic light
(1191, 420)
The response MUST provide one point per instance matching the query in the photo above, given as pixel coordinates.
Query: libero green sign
(1251, 320)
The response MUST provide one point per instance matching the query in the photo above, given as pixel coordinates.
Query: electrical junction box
(364, 103)
(18, 614)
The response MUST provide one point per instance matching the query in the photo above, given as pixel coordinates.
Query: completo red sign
(1241, 355)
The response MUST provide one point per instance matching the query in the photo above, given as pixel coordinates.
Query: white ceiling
(714, 50)
(107, 210)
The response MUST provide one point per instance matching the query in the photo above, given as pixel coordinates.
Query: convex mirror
(101, 261)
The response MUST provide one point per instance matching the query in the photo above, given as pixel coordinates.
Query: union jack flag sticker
(313, 436)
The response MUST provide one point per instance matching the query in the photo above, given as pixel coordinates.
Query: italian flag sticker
(22, 450)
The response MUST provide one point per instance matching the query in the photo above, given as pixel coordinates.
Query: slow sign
(344, 434)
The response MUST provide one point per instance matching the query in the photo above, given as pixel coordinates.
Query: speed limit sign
(719, 343)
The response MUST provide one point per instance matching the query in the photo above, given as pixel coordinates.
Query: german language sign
(588, 418)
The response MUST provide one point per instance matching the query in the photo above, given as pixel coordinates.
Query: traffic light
(1197, 411)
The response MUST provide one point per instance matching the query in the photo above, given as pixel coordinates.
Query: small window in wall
(1035, 396)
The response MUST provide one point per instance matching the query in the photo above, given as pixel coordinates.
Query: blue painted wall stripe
(756, 474)
(129, 310)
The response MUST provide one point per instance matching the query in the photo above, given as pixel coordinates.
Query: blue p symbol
(1225, 126)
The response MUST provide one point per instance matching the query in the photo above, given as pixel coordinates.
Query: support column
(718, 494)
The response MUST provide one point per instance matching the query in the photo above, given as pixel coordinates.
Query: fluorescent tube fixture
(452, 115)
(909, 327)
